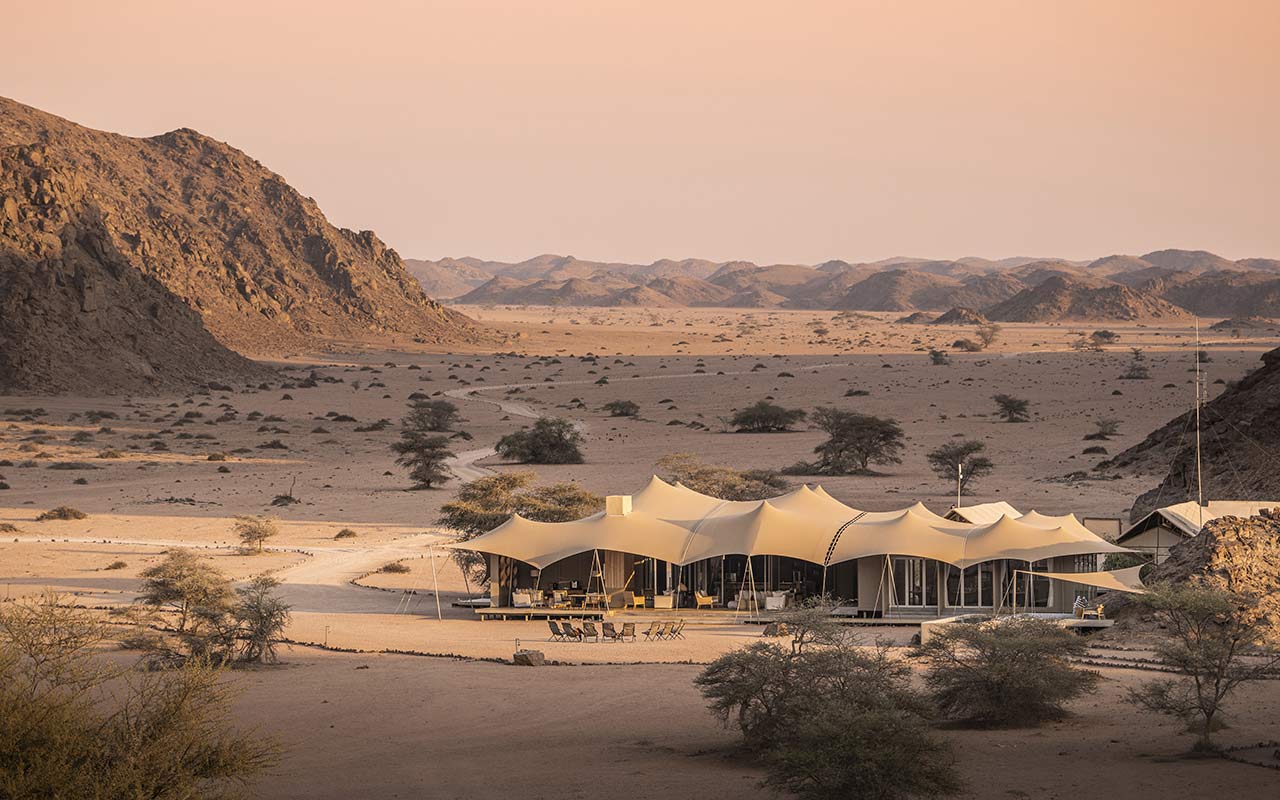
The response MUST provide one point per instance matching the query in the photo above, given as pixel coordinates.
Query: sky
(776, 132)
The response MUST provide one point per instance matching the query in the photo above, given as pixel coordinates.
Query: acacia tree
(261, 616)
(1012, 409)
(1216, 644)
(255, 531)
(430, 416)
(855, 442)
(551, 440)
(966, 454)
(766, 417)
(987, 334)
(726, 483)
(186, 584)
(485, 503)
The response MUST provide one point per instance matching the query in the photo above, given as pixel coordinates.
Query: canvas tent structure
(668, 539)
(983, 512)
(1161, 529)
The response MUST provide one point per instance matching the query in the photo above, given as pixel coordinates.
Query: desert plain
(389, 690)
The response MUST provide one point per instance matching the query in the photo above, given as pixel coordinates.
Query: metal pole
(959, 481)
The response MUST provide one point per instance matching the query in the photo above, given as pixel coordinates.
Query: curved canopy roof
(674, 523)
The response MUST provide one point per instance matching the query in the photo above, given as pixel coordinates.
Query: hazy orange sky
(769, 131)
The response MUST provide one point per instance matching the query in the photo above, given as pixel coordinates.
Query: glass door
(915, 582)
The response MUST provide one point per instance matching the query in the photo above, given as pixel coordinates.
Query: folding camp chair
(675, 632)
(571, 632)
(609, 632)
(628, 632)
(651, 632)
(589, 630)
(556, 634)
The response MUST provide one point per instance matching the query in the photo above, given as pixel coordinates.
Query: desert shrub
(274, 444)
(72, 465)
(8, 527)
(254, 531)
(1104, 429)
(549, 441)
(218, 457)
(967, 345)
(622, 408)
(186, 584)
(1008, 672)
(830, 719)
(962, 456)
(766, 417)
(726, 483)
(1094, 450)
(939, 358)
(345, 533)
(1215, 644)
(1012, 409)
(76, 725)
(110, 453)
(116, 565)
(260, 617)
(395, 566)
(61, 513)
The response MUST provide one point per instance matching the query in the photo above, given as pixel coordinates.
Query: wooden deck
(511, 612)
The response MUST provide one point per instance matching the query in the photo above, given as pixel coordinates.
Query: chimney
(617, 505)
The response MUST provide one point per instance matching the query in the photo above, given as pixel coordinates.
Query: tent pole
(435, 582)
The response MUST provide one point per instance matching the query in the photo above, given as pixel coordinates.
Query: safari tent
(671, 545)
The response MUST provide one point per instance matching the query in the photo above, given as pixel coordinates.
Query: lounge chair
(632, 600)
(675, 632)
(589, 630)
(609, 632)
(705, 600)
(628, 632)
(571, 632)
(556, 634)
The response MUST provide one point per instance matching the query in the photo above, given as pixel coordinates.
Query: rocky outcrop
(961, 316)
(1233, 554)
(257, 262)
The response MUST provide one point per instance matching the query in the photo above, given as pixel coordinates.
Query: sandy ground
(421, 727)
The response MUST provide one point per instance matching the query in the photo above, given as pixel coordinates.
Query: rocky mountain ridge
(199, 223)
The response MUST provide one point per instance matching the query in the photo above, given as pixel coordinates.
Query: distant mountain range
(1165, 284)
(130, 264)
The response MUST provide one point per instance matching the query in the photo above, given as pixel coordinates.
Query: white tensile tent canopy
(673, 523)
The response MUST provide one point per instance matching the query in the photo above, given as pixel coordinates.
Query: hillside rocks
(258, 263)
(1239, 442)
(74, 313)
(1062, 298)
(961, 316)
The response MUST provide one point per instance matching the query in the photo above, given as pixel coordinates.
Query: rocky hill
(1062, 298)
(1240, 446)
(255, 260)
(75, 315)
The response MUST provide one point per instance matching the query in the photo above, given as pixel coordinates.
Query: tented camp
(1164, 527)
(671, 546)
